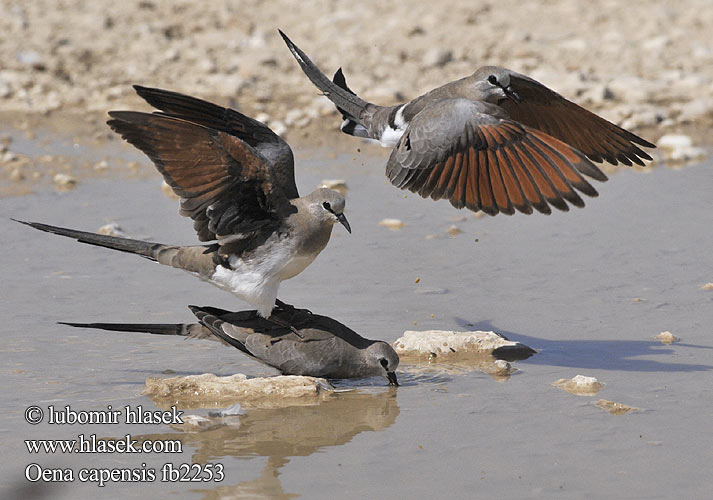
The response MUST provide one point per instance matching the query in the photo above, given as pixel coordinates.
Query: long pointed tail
(197, 259)
(346, 101)
(145, 249)
(180, 329)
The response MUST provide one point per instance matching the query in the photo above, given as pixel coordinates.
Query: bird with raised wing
(235, 179)
(320, 347)
(495, 141)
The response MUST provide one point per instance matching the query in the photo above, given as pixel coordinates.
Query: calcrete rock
(209, 391)
(579, 385)
(450, 343)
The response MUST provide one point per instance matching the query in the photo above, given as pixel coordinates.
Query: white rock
(667, 337)
(671, 141)
(644, 118)
(210, 390)
(293, 116)
(707, 286)
(112, 229)
(263, 117)
(393, 224)
(454, 230)
(579, 385)
(278, 127)
(656, 43)
(502, 368)
(17, 175)
(686, 155)
(64, 181)
(446, 343)
(680, 149)
(5, 89)
(694, 110)
(339, 185)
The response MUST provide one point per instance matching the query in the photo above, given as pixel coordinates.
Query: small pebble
(393, 224)
(579, 385)
(502, 368)
(338, 185)
(112, 229)
(17, 175)
(614, 408)
(454, 230)
(667, 337)
(65, 182)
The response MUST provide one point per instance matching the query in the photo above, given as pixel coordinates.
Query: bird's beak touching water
(512, 94)
(392, 378)
(344, 222)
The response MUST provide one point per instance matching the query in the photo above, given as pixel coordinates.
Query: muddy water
(589, 289)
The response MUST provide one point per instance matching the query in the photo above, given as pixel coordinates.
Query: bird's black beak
(344, 222)
(512, 95)
(392, 378)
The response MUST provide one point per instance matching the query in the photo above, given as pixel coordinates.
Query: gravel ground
(647, 65)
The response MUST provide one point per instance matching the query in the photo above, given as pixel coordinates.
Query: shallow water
(565, 285)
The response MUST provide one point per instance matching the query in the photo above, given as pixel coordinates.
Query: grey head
(491, 84)
(326, 206)
(381, 360)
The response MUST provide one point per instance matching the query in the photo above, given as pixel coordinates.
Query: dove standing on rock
(235, 178)
(320, 347)
(494, 141)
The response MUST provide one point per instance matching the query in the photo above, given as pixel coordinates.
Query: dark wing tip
(642, 142)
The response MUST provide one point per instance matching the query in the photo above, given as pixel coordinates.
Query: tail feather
(349, 126)
(347, 102)
(145, 249)
(180, 329)
(188, 330)
(198, 259)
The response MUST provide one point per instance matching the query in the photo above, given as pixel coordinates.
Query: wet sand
(588, 289)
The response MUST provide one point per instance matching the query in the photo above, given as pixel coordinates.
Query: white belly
(257, 278)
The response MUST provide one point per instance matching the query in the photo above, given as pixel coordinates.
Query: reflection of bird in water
(312, 345)
(281, 433)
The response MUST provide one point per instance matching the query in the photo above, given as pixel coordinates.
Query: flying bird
(495, 141)
(235, 179)
(320, 347)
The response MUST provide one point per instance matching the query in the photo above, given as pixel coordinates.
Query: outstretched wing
(225, 185)
(255, 133)
(549, 112)
(473, 155)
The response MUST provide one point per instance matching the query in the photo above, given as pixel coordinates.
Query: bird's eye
(384, 363)
(327, 206)
(493, 80)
